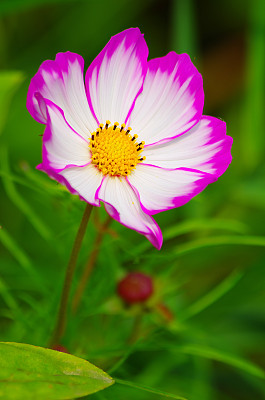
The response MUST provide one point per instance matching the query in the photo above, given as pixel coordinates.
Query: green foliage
(9, 83)
(7, 6)
(254, 111)
(34, 372)
(15, 197)
(229, 359)
(150, 390)
(201, 335)
(15, 250)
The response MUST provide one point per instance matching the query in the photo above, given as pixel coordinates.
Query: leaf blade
(213, 241)
(217, 355)
(27, 370)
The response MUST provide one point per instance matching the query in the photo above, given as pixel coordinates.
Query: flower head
(133, 136)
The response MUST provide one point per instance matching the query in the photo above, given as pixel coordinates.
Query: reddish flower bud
(136, 287)
(59, 347)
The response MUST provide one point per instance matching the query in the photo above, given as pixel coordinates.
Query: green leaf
(213, 241)
(224, 357)
(190, 226)
(19, 201)
(9, 82)
(213, 295)
(149, 389)
(8, 298)
(194, 225)
(17, 252)
(30, 372)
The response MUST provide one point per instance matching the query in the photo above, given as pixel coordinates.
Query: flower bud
(136, 287)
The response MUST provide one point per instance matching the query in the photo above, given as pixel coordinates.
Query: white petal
(205, 147)
(123, 205)
(115, 77)
(62, 146)
(85, 181)
(160, 189)
(171, 101)
(61, 81)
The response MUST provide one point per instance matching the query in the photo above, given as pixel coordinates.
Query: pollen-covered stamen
(114, 151)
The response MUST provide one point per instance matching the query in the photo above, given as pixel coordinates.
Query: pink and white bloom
(133, 136)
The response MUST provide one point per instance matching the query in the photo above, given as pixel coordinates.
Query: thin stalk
(136, 329)
(89, 266)
(62, 313)
(252, 137)
(148, 389)
(183, 27)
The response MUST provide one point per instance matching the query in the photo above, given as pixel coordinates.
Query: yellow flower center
(114, 150)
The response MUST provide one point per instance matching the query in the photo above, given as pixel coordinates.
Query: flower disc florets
(114, 151)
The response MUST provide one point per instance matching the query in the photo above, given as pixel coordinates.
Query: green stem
(62, 313)
(183, 26)
(136, 329)
(148, 389)
(89, 266)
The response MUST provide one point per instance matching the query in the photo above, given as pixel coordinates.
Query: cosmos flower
(133, 136)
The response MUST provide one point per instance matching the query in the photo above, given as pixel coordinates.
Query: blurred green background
(201, 335)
